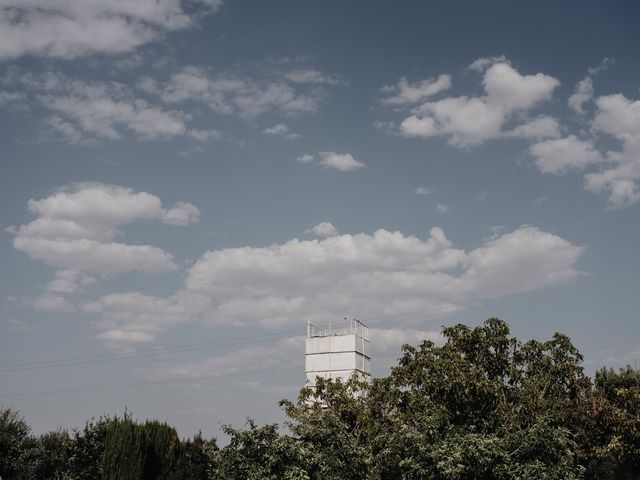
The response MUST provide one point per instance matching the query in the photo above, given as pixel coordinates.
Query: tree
(14, 448)
(610, 436)
(87, 446)
(258, 453)
(124, 451)
(194, 459)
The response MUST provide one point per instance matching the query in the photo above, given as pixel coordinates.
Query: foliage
(258, 453)
(87, 450)
(125, 451)
(14, 438)
(483, 405)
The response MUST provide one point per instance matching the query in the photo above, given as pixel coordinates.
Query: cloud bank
(368, 276)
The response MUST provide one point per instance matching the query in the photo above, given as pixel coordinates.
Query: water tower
(337, 352)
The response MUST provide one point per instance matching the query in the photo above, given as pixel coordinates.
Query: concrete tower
(337, 353)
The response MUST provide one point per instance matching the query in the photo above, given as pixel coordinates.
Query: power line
(374, 320)
(72, 361)
(140, 384)
(189, 347)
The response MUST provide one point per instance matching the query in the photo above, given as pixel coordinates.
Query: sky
(185, 183)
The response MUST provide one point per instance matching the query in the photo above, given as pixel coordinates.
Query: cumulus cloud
(536, 128)
(71, 28)
(340, 161)
(323, 229)
(618, 116)
(561, 155)
(469, 121)
(583, 91)
(135, 315)
(231, 93)
(76, 227)
(407, 93)
(386, 273)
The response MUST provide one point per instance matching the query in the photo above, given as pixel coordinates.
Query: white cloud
(560, 155)
(368, 276)
(281, 130)
(581, 95)
(620, 117)
(75, 28)
(181, 214)
(481, 64)
(583, 91)
(496, 268)
(537, 128)
(134, 315)
(423, 191)
(76, 227)
(507, 88)
(70, 282)
(230, 93)
(469, 121)
(84, 112)
(406, 93)
(340, 161)
(305, 158)
(323, 229)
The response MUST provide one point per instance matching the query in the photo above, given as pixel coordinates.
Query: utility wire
(162, 351)
(142, 353)
(140, 384)
(212, 344)
(189, 347)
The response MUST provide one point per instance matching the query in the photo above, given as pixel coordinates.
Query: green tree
(610, 437)
(258, 453)
(14, 444)
(86, 456)
(124, 450)
(49, 457)
(331, 426)
(194, 459)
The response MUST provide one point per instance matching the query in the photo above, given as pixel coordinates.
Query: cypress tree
(125, 452)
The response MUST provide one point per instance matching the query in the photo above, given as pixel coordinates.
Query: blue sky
(185, 183)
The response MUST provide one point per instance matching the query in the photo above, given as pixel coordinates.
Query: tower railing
(355, 327)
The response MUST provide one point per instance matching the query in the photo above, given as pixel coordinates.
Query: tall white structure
(337, 353)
